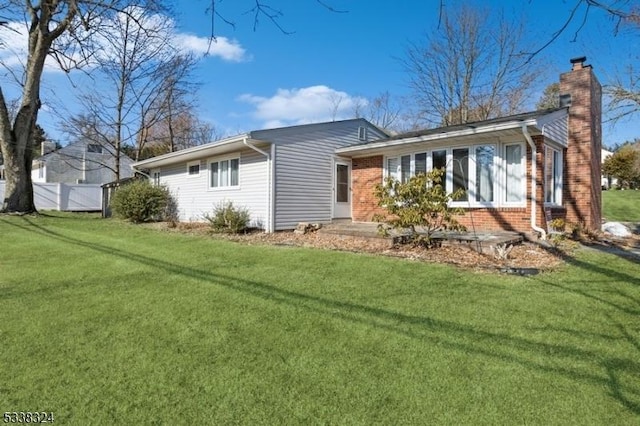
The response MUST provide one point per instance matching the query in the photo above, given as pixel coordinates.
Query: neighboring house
(493, 160)
(607, 181)
(78, 162)
(282, 176)
(520, 171)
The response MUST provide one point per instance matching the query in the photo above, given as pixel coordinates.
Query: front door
(342, 189)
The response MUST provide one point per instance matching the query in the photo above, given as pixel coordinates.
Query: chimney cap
(578, 63)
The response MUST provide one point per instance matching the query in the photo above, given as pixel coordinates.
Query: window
(95, 148)
(224, 173)
(405, 168)
(392, 168)
(156, 178)
(514, 174)
(552, 176)
(193, 168)
(421, 163)
(439, 159)
(362, 133)
(461, 172)
(476, 169)
(484, 173)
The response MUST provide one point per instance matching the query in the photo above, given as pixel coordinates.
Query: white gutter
(471, 131)
(269, 224)
(534, 201)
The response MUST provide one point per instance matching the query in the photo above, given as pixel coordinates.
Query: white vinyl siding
(76, 162)
(195, 196)
(304, 168)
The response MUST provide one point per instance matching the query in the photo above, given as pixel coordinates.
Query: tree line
(474, 66)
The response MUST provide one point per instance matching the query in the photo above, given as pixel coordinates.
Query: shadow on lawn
(561, 358)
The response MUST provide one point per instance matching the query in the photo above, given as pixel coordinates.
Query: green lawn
(621, 206)
(103, 322)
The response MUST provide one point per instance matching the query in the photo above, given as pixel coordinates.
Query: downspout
(534, 200)
(269, 224)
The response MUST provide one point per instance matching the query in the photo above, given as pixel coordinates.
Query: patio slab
(480, 241)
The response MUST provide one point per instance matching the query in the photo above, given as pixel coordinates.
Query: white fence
(65, 196)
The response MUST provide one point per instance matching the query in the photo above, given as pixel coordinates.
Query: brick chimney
(47, 147)
(582, 193)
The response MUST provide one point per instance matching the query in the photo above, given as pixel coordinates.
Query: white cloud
(301, 106)
(14, 36)
(13, 44)
(222, 47)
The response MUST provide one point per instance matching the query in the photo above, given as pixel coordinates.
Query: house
(282, 176)
(520, 171)
(78, 162)
(607, 181)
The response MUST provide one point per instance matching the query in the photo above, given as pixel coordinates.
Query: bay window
(491, 175)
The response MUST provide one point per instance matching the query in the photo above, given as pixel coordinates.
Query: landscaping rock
(616, 229)
(304, 228)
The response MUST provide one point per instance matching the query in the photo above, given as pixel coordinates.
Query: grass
(621, 206)
(104, 322)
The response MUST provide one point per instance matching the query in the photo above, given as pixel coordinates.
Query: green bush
(419, 206)
(139, 201)
(228, 218)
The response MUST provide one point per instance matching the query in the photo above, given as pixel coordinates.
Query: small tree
(624, 164)
(422, 202)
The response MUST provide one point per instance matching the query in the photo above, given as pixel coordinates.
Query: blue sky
(264, 78)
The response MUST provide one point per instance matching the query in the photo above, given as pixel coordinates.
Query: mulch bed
(525, 256)
(522, 259)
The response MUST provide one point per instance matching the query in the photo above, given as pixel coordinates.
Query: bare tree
(64, 30)
(177, 131)
(383, 110)
(172, 95)
(624, 95)
(470, 69)
(623, 92)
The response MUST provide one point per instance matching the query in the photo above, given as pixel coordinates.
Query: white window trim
(471, 179)
(499, 173)
(194, 163)
(218, 160)
(156, 177)
(503, 176)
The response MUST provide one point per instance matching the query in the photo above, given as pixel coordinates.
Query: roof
(231, 144)
(75, 148)
(502, 127)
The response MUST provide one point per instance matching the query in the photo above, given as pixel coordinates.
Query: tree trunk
(19, 188)
(18, 196)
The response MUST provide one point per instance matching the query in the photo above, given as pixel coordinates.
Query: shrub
(558, 224)
(139, 201)
(422, 202)
(228, 218)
